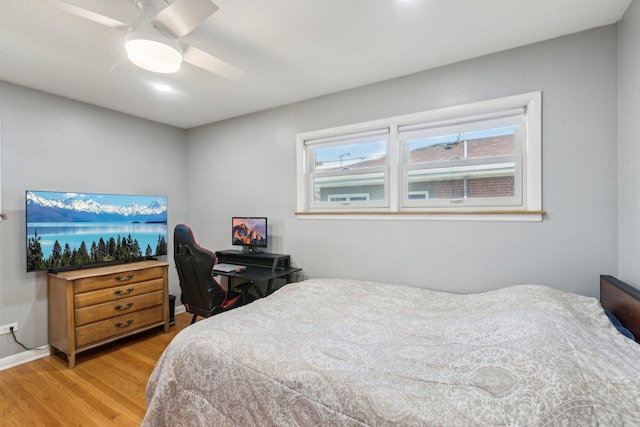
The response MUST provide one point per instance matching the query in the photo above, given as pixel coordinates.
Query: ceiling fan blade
(121, 58)
(206, 61)
(87, 14)
(183, 16)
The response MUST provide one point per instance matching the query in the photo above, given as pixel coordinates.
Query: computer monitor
(249, 232)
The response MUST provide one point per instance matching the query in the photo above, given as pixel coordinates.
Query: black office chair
(202, 295)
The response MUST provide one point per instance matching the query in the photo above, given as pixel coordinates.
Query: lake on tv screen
(76, 233)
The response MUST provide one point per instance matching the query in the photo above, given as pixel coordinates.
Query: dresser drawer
(118, 293)
(94, 313)
(120, 325)
(124, 278)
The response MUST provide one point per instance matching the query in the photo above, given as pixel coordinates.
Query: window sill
(507, 216)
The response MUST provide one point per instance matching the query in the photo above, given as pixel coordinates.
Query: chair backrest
(195, 264)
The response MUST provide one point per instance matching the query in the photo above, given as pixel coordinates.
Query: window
(471, 164)
(421, 195)
(351, 170)
(482, 158)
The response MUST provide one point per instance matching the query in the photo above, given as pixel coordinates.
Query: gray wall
(246, 166)
(51, 143)
(629, 146)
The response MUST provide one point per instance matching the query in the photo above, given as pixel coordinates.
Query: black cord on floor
(13, 334)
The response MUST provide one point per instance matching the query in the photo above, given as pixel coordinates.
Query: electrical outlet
(5, 329)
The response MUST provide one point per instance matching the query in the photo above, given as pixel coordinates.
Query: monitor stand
(250, 250)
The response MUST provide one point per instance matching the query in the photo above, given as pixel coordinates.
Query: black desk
(260, 267)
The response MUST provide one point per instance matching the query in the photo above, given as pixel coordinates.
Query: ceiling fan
(152, 41)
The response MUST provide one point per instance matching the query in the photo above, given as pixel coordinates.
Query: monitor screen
(250, 232)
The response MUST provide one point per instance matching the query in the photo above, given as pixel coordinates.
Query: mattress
(356, 353)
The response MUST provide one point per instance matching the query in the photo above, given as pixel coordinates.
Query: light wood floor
(106, 387)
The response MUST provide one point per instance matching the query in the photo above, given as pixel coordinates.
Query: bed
(357, 353)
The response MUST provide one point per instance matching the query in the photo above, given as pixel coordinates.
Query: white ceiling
(290, 50)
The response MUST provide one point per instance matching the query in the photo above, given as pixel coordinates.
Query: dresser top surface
(108, 269)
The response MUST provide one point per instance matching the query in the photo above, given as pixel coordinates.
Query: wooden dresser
(94, 306)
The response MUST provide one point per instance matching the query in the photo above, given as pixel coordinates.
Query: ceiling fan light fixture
(156, 54)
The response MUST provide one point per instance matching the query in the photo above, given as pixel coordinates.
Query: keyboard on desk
(228, 268)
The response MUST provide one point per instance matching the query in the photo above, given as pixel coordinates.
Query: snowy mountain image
(77, 207)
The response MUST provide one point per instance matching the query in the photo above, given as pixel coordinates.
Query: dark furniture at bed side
(623, 301)
(202, 295)
(260, 267)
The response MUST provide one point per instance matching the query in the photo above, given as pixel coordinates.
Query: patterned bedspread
(353, 353)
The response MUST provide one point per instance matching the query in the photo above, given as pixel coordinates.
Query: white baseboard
(24, 357)
(31, 355)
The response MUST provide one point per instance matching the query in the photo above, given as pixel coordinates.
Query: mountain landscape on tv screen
(74, 209)
(69, 230)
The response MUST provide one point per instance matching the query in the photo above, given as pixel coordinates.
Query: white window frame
(463, 167)
(528, 182)
(321, 139)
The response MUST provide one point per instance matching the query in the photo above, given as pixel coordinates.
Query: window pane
(458, 170)
(466, 145)
(351, 156)
(353, 188)
(464, 188)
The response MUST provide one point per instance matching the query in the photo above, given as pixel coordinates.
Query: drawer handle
(127, 292)
(120, 308)
(121, 325)
(124, 279)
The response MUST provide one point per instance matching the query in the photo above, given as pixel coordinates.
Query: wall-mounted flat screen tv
(74, 230)
(249, 232)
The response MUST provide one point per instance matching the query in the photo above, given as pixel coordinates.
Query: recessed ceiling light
(162, 87)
